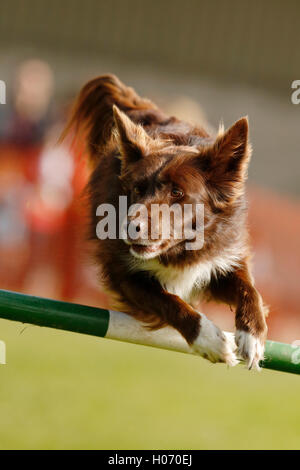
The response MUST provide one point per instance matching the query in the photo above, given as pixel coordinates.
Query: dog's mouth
(149, 250)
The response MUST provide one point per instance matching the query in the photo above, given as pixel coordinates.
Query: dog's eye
(176, 192)
(136, 190)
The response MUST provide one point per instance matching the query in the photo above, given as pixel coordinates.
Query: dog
(138, 152)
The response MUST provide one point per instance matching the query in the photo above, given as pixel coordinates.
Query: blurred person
(55, 214)
(23, 124)
(27, 116)
(14, 234)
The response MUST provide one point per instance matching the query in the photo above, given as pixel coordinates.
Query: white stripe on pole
(125, 328)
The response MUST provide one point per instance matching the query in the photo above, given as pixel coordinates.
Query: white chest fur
(183, 281)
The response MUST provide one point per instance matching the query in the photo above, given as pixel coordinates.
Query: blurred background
(199, 60)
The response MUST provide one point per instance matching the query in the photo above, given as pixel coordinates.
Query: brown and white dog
(139, 152)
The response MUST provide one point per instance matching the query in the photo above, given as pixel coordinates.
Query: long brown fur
(139, 152)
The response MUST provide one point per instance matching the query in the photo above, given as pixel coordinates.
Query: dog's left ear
(227, 162)
(233, 143)
(133, 140)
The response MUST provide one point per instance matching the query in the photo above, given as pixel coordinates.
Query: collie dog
(153, 160)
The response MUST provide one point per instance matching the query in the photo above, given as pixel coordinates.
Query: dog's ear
(226, 163)
(232, 144)
(133, 140)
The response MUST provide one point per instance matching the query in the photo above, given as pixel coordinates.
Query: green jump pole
(116, 325)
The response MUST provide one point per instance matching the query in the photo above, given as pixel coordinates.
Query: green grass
(67, 391)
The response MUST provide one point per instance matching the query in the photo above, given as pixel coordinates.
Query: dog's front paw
(214, 344)
(250, 348)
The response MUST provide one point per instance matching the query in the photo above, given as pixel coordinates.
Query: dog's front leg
(145, 299)
(237, 288)
(251, 327)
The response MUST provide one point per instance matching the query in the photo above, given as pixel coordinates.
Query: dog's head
(168, 184)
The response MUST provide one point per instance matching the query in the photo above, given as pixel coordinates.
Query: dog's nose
(136, 225)
(136, 229)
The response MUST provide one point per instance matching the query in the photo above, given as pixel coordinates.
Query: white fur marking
(215, 345)
(221, 129)
(250, 348)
